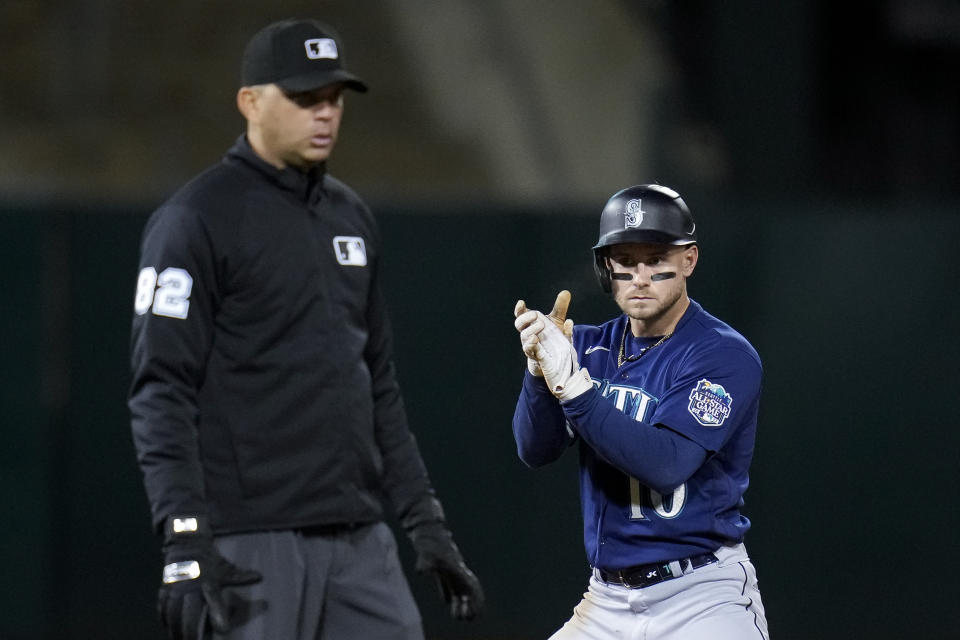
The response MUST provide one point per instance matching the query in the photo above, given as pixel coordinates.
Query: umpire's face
(652, 283)
(292, 129)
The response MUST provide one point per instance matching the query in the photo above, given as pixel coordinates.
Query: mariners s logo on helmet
(634, 214)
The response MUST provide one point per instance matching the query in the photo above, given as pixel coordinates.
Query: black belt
(644, 575)
(332, 529)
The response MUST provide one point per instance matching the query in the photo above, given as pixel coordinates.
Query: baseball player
(266, 414)
(662, 403)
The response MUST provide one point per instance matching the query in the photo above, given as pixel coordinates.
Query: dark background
(817, 145)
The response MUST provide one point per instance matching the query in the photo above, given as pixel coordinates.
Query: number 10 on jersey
(667, 507)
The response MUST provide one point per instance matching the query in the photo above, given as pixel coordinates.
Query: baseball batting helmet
(649, 213)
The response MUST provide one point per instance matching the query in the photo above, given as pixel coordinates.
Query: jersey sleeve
(716, 390)
(660, 458)
(170, 340)
(539, 424)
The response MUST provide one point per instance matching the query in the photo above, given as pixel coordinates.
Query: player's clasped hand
(558, 315)
(190, 593)
(546, 341)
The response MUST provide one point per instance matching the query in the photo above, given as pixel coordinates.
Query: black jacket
(263, 391)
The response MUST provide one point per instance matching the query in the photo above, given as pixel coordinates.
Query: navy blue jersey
(687, 406)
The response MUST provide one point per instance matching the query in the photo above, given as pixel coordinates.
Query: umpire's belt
(644, 575)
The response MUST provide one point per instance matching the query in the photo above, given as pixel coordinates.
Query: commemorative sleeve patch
(709, 403)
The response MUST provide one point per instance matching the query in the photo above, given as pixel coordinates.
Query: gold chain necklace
(623, 342)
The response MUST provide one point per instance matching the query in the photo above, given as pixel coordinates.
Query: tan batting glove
(559, 317)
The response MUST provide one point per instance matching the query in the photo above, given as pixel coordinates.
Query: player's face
(651, 287)
(293, 129)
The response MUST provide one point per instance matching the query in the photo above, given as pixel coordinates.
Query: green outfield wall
(852, 306)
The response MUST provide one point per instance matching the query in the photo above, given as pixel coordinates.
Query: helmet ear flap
(602, 270)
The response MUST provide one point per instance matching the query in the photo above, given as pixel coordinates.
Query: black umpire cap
(296, 55)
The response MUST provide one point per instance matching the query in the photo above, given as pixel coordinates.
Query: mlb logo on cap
(275, 55)
(318, 48)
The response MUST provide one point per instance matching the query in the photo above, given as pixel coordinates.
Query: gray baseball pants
(339, 586)
(719, 601)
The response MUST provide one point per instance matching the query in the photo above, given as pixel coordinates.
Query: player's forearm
(539, 426)
(659, 458)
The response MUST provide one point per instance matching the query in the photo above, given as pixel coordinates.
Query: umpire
(265, 409)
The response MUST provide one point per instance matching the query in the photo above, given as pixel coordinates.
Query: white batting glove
(557, 315)
(523, 320)
(530, 324)
(558, 360)
(549, 348)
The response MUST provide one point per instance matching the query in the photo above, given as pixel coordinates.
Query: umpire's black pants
(341, 586)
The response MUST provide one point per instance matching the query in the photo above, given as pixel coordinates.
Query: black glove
(193, 576)
(438, 554)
